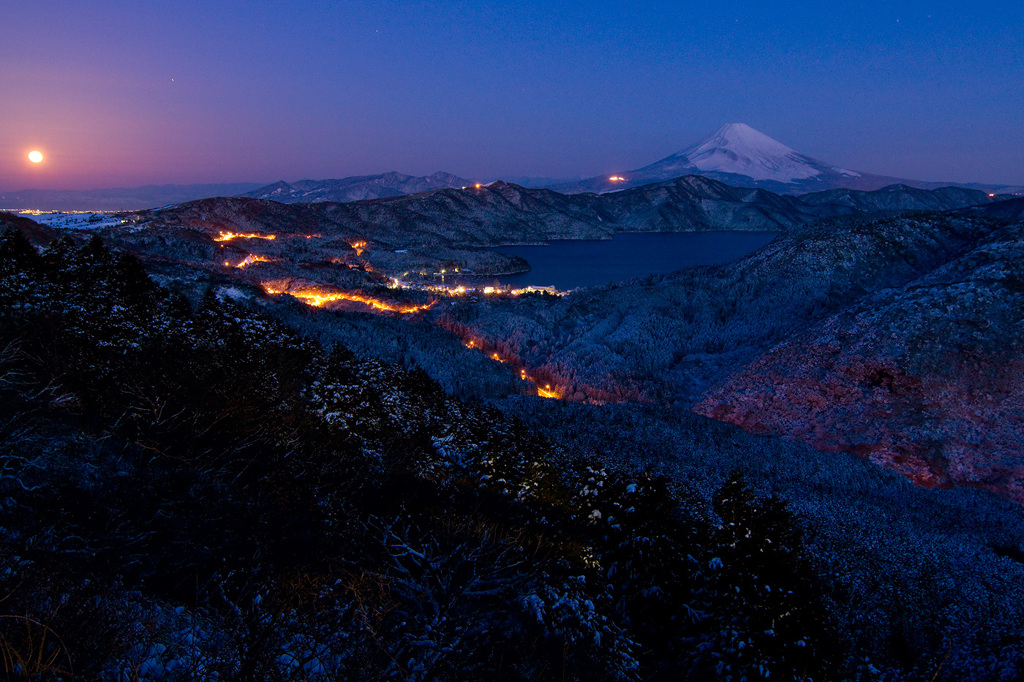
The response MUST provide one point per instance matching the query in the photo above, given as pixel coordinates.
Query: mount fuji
(738, 155)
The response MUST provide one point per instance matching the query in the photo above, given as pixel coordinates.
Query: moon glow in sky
(197, 92)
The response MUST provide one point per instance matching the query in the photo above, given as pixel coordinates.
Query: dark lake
(568, 264)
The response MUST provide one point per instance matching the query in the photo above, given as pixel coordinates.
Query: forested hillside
(193, 488)
(200, 492)
(894, 338)
(449, 228)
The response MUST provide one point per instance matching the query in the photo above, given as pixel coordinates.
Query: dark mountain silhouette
(355, 188)
(447, 228)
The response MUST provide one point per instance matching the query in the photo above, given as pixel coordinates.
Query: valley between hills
(864, 367)
(881, 324)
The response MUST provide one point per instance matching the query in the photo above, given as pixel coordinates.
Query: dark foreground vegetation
(198, 492)
(194, 490)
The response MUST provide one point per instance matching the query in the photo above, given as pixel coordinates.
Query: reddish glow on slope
(547, 380)
(545, 391)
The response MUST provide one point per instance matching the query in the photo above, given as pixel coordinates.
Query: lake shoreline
(575, 263)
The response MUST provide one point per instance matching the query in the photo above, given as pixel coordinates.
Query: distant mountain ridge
(448, 228)
(117, 199)
(503, 213)
(738, 155)
(356, 187)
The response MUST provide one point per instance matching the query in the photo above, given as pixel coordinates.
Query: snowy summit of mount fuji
(738, 149)
(739, 155)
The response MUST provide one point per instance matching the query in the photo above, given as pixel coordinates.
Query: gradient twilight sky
(128, 93)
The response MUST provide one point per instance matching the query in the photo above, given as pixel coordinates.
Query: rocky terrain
(923, 377)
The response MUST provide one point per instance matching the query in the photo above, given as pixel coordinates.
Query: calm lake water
(568, 264)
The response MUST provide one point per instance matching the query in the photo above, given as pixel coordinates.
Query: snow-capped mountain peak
(737, 148)
(740, 156)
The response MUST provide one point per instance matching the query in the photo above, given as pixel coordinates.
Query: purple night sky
(123, 93)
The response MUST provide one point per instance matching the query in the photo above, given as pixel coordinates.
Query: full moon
(35, 156)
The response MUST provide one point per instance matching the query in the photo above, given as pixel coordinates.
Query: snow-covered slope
(739, 149)
(741, 156)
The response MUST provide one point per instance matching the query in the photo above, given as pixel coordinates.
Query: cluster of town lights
(249, 260)
(228, 236)
(462, 290)
(318, 297)
(39, 211)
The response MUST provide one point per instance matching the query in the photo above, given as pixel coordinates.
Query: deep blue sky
(124, 93)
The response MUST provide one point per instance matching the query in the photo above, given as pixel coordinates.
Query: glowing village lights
(228, 236)
(463, 290)
(252, 258)
(617, 178)
(318, 297)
